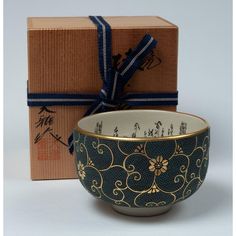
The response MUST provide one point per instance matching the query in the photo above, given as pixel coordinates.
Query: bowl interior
(142, 123)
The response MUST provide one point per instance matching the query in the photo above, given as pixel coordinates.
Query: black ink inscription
(149, 62)
(45, 121)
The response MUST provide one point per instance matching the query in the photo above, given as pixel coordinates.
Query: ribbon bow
(114, 79)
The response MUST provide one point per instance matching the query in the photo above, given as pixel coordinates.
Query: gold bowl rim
(144, 139)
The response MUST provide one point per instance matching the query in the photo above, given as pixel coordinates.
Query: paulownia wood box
(63, 58)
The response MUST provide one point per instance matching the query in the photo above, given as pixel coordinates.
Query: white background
(204, 84)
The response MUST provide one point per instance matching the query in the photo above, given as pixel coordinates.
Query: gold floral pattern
(142, 174)
(139, 148)
(158, 165)
(153, 189)
(81, 171)
(90, 162)
(178, 150)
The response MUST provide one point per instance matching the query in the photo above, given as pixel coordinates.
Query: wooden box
(63, 58)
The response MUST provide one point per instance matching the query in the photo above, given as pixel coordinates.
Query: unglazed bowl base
(142, 211)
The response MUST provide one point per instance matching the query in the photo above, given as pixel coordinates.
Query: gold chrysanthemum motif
(153, 189)
(158, 165)
(81, 171)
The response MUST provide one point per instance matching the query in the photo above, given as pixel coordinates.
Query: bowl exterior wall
(142, 173)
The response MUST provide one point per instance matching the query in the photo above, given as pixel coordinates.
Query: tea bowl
(142, 161)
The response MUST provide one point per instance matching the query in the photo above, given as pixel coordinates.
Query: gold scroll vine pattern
(125, 183)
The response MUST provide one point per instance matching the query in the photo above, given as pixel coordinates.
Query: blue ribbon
(131, 99)
(114, 79)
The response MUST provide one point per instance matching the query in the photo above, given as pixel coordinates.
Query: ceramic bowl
(142, 161)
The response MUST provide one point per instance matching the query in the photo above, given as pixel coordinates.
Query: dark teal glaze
(142, 174)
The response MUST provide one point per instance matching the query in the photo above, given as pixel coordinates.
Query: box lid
(63, 54)
(117, 22)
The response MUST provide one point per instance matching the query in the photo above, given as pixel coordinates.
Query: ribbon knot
(111, 93)
(108, 103)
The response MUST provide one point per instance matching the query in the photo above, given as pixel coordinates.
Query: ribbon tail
(94, 108)
(71, 144)
(136, 57)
